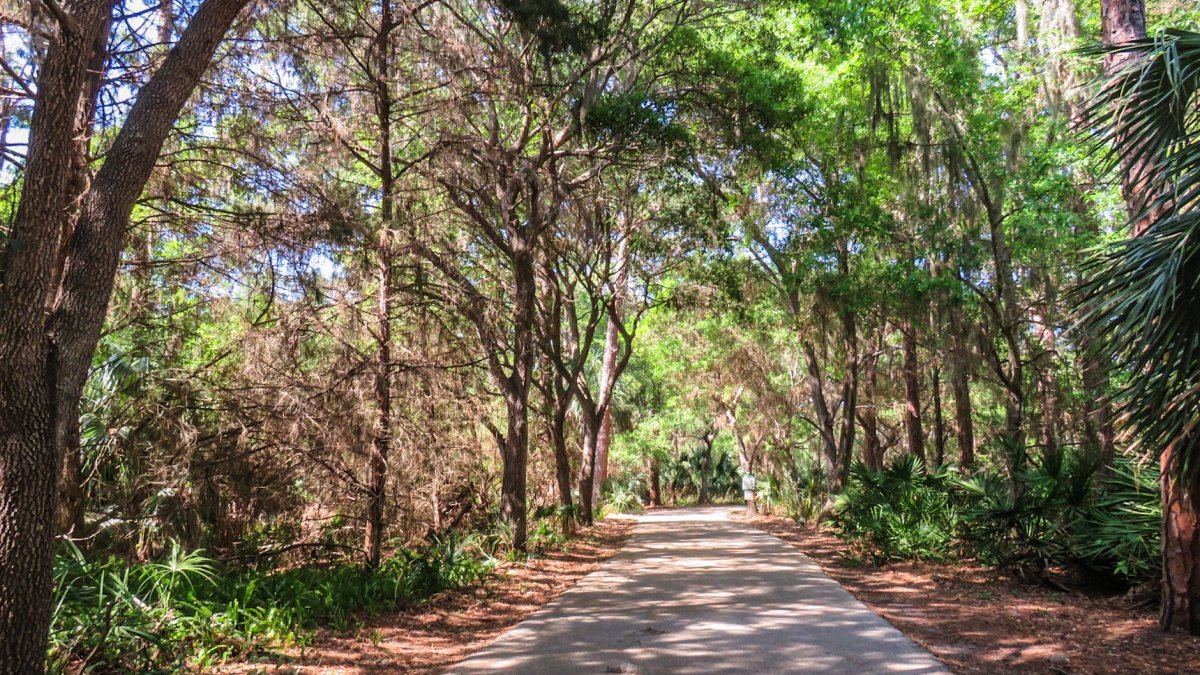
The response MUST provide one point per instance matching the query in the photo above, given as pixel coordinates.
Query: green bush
(682, 476)
(1056, 512)
(1120, 531)
(900, 512)
(1024, 523)
(625, 495)
(182, 611)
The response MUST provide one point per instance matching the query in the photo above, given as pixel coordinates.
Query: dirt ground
(977, 620)
(448, 627)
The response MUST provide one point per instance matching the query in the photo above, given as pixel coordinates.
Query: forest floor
(977, 620)
(448, 627)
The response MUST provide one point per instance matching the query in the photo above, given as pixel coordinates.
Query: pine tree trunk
(960, 386)
(590, 423)
(939, 422)
(1181, 552)
(1123, 21)
(849, 396)
(912, 393)
(377, 467)
(868, 416)
(562, 464)
(381, 443)
(603, 441)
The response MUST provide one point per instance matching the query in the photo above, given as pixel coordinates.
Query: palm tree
(1142, 300)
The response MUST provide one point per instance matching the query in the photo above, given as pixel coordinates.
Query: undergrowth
(1063, 512)
(187, 611)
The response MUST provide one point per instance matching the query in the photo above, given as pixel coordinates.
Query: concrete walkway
(694, 592)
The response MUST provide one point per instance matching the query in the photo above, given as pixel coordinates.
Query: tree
(58, 264)
(1140, 297)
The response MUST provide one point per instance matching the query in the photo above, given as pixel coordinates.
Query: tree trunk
(608, 368)
(603, 441)
(381, 442)
(515, 451)
(73, 508)
(48, 330)
(912, 393)
(590, 421)
(515, 455)
(655, 483)
(1098, 413)
(705, 468)
(849, 396)
(1181, 551)
(872, 449)
(562, 464)
(964, 427)
(939, 422)
(825, 424)
(1123, 21)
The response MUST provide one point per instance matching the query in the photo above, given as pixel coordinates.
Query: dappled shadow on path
(692, 592)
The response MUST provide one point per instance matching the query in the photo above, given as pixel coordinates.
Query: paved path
(693, 592)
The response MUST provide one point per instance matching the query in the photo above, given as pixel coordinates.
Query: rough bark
(377, 468)
(912, 393)
(1181, 551)
(845, 448)
(48, 328)
(589, 420)
(1098, 427)
(1123, 21)
(655, 482)
(1047, 386)
(73, 508)
(515, 449)
(939, 422)
(964, 427)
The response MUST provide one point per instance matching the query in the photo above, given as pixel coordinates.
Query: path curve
(693, 592)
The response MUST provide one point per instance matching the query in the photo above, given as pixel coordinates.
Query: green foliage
(803, 494)
(900, 512)
(183, 610)
(1120, 532)
(1141, 299)
(1059, 513)
(684, 476)
(624, 495)
(1024, 522)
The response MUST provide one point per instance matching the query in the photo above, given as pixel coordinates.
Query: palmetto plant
(1142, 303)
(1141, 300)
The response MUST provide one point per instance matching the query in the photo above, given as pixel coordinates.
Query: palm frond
(1140, 302)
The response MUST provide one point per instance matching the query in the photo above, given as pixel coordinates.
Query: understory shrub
(186, 611)
(1058, 512)
(683, 476)
(626, 494)
(900, 511)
